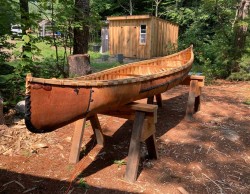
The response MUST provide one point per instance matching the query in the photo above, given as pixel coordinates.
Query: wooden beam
(128, 17)
(151, 146)
(191, 99)
(97, 129)
(148, 128)
(77, 141)
(142, 107)
(200, 79)
(134, 147)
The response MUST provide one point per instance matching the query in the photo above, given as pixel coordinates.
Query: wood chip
(59, 146)
(182, 190)
(40, 145)
(19, 126)
(68, 139)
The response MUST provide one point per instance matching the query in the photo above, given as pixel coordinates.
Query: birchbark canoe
(53, 103)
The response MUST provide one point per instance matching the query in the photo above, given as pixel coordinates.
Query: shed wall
(164, 37)
(125, 38)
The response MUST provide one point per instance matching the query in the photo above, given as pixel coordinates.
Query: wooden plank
(134, 148)
(142, 107)
(77, 141)
(151, 146)
(133, 17)
(148, 128)
(187, 80)
(97, 129)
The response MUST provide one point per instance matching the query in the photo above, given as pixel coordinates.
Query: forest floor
(210, 154)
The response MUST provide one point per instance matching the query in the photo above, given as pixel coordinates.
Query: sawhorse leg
(77, 141)
(97, 129)
(193, 104)
(140, 126)
(150, 100)
(151, 146)
(134, 147)
(78, 135)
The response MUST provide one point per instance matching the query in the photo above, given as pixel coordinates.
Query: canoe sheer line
(128, 73)
(100, 83)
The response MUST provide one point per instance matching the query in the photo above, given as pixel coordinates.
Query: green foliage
(119, 163)
(83, 184)
(7, 16)
(244, 73)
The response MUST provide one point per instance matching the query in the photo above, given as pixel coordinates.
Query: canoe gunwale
(77, 82)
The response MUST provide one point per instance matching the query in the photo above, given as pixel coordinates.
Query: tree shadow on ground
(212, 162)
(117, 146)
(212, 155)
(13, 182)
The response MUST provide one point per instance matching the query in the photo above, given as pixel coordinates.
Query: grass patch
(102, 66)
(247, 102)
(48, 51)
(83, 184)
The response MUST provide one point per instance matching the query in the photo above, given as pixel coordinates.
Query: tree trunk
(81, 34)
(130, 7)
(24, 9)
(1, 111)
(240, 30)
(157, 3)
(79, 65)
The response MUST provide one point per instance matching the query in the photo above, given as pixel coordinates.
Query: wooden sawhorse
(196, 82)
(145, 118)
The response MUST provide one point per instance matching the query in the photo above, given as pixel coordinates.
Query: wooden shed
(141, 36)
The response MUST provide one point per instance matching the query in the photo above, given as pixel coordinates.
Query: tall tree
(240, 30)
(81, 29)
(125, 5)
(24, 10)
(157, 3)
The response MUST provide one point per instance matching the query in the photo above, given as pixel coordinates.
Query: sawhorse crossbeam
(145, 118)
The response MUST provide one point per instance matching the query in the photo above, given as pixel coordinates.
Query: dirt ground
(210, 154)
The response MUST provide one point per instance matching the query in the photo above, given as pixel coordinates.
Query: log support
(144, 117)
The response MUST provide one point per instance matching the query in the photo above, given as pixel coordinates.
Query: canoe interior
(142, 68)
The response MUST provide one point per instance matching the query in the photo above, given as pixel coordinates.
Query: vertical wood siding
(125, 37)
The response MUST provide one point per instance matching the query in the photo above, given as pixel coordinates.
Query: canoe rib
(53, 103)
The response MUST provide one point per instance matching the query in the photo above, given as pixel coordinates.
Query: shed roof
(137, 17)
(130, 17)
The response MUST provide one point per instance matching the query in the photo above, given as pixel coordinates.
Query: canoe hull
(49, 107)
